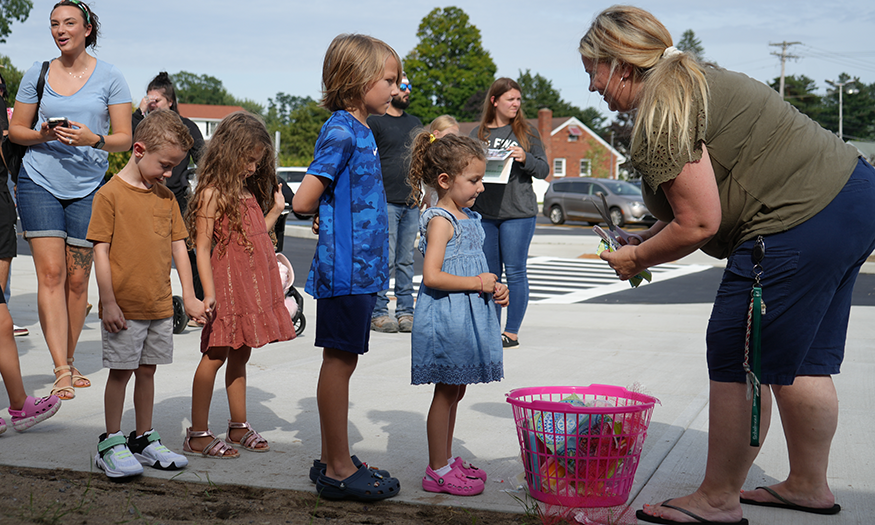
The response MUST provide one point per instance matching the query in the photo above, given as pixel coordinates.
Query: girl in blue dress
(456, 337)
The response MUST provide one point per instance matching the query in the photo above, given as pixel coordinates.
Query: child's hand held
(113, 318)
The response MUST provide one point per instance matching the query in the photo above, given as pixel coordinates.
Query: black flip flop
(782, 503)
(365, 485)
(643, 516)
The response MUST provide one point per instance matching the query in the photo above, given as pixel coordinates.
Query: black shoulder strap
(40, 86)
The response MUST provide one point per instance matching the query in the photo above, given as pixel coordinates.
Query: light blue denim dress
(456, 336)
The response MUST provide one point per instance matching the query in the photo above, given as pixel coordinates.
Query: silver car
(577, 198)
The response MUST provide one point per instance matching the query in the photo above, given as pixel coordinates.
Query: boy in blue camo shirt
(344, 188)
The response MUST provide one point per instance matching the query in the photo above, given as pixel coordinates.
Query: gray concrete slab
(659, 349)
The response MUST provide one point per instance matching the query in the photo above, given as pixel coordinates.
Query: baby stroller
(294, 300)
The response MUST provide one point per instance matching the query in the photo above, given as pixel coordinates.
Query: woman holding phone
(65, 164)
(509, 210)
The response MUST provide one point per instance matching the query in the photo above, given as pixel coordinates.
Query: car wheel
(617, 217)
(556, 215)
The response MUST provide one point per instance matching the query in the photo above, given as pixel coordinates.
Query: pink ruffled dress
(250, 304)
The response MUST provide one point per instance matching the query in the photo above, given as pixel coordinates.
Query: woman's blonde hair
(430, 157)
(222, 167)
(351, 66)
(519, 125)
(625, 35)
(442, 123)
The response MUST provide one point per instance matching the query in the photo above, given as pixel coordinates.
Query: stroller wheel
(298, 320)
(180, 318)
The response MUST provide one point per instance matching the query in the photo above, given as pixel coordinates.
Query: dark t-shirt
(394, 135)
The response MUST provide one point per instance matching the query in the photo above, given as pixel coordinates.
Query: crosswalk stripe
(554, 280)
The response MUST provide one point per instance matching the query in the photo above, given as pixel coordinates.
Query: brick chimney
(545, 128)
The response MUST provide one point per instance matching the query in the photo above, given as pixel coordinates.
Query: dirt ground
(66, 497)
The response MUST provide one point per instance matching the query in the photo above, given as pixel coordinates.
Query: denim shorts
(44, 215)
(344, 322)
(807, 283)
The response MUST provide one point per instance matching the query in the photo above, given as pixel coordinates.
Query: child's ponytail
(430, 156)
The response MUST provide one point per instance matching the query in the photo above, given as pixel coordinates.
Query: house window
(558, 167)
(211, 127)
(572, 138)
(585, 168)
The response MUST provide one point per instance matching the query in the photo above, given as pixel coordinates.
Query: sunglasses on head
(405, 86)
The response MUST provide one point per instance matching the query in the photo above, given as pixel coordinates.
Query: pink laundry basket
(581, 445)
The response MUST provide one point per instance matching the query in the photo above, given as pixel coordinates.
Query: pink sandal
(468, 469)
(216, 449)
(250, 440)
(35, 410)
(2, 426)
(455, 482)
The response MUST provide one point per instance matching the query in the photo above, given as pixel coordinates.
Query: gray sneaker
(384, 323)
(114, 457)
(405, 323)
(149, 450)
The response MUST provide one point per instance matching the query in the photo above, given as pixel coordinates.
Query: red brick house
(573, 150)
(206, 117)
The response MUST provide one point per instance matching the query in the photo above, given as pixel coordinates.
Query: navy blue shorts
(344, 322)
(808, 278)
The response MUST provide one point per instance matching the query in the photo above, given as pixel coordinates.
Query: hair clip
(431, 137)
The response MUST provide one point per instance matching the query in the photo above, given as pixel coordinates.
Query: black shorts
(344, 322)
(8, 218)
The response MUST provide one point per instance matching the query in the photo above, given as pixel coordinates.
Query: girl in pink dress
(236, 203)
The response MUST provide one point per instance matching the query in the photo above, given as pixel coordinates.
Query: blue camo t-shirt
(72, 172)
(352, 253)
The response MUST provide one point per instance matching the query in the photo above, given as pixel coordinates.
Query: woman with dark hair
(509, 210)
(65, 164)
(731, 168)
(160, 94)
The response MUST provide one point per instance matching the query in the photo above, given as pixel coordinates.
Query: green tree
(449, 67)
(12, 76)
(201, 89)
(299, 120)
(12, 10)
(692, 45)
(538, 92)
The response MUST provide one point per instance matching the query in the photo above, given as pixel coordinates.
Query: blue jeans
(403, 225)
(507, 245)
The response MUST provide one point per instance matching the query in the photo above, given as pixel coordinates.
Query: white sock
(443, 471)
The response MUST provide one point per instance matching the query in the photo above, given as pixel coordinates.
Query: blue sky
(261, 47)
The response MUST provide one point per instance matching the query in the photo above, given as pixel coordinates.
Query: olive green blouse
(775, 167)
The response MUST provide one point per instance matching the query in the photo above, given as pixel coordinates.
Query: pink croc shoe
(455, 482)
(2, 426)
(35, 410)
(468, 469)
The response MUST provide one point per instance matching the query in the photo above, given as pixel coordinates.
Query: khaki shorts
(143, 343)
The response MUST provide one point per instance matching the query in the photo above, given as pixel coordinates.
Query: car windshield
(619, 187)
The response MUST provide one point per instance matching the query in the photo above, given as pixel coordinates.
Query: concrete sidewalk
(658, 347)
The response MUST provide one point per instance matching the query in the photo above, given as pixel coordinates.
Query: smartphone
(59, 121)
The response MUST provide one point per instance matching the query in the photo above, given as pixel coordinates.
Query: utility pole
(784, 56)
